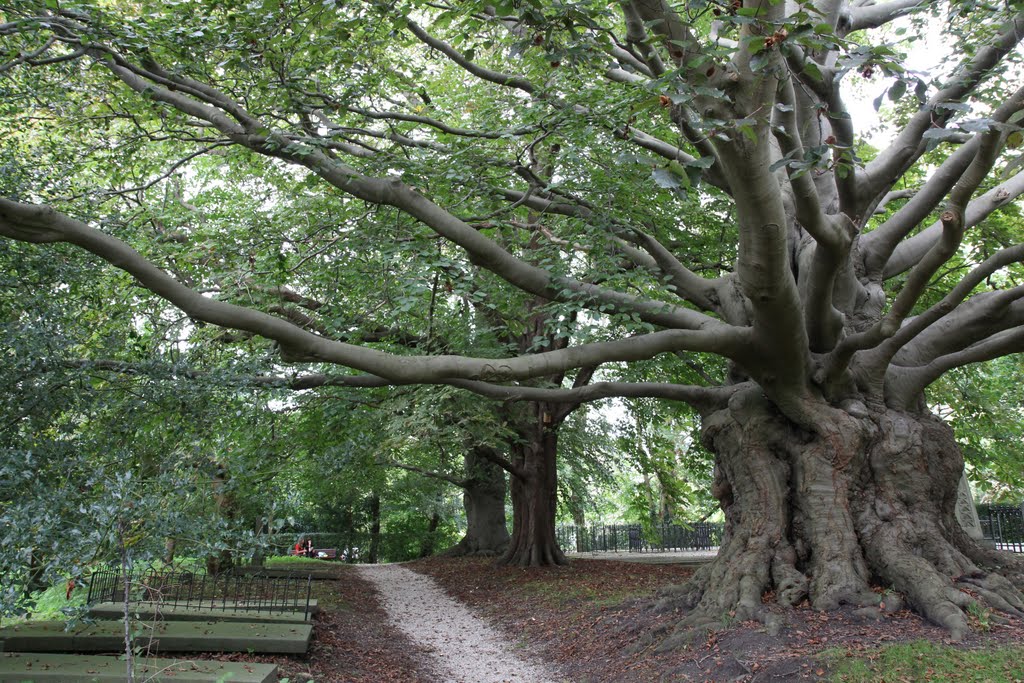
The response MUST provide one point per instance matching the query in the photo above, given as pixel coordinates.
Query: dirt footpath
(464, 648)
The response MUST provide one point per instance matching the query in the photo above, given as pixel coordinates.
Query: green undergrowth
(926, 661)
(52, 603)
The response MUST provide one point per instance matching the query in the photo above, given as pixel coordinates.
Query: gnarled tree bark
(864, 499)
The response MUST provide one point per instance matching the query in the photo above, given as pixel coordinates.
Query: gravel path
(464, 648)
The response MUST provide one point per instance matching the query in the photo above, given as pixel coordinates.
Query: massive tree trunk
(483, 498)
(534, 498)
(866, 499)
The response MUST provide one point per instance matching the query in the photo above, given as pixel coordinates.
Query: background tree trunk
(224, 506)
(427, 547)
(170, 546)
(579, 520)
(534, 500)
(483, 497)
(374, 503)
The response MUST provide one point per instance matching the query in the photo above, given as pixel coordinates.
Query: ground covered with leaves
(595, 619)
(352, 640)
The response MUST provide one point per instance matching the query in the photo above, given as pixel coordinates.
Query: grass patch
(926, 661)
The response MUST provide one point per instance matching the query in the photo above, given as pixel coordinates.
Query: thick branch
(877, 246)
(32, 223)
(918, 324)
(953, 227)
(636, 34)
(703, 399)
(941, 251)
(893, 162)
(482, 251)
(473, 68)
(910, 252)
(982, 316)
(764, 270)
(875, 15)
(906, 384)
(680, 42)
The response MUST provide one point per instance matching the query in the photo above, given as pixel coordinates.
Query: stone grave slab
(153, 612)
(167, 636)
(315, 574)
(289, 605)
(18, 667)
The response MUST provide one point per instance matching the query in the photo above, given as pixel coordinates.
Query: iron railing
(1003, 525)
(633, 538)
(200, 590)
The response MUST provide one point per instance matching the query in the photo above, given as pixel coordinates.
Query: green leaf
(703, 162)
(665, 178)
(953, 106)
(877, 104)
(898, 90)
(921, 91)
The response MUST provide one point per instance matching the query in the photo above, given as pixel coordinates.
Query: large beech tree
(682, 182)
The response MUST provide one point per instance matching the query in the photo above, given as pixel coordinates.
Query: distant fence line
(1003, 525)
(633, 538)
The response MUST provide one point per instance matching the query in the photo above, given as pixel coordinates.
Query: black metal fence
(633, 538)
(1003, 525)
(200, 590)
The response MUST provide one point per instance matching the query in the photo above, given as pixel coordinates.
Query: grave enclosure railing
(633, 538)
(1003, 525)
(202, 591)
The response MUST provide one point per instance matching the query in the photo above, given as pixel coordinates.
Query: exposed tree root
(467, 548)
(826, 516)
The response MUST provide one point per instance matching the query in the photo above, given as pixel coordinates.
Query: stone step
(167, 636)
(153, 612)
(18, 667)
